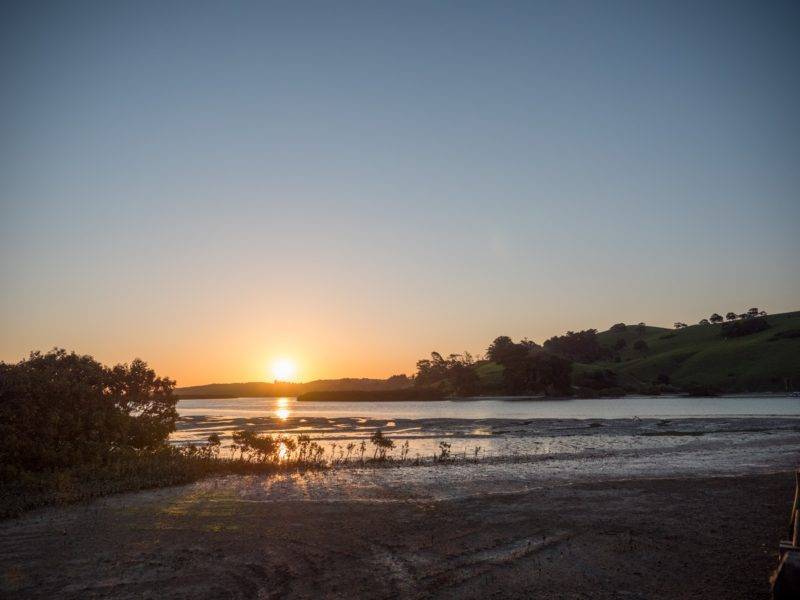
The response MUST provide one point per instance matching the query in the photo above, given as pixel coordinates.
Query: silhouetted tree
(457, 370)
(61, 409)
(731, 316)
(500, 349)
(744, 327)
(536, 371)
(463, 378)
(400, 380)
(597, 380)
(705, 322)
(680, 325)
(431, 371)
(753, 312)
(715, 318)
(618, 328)
(581, 346)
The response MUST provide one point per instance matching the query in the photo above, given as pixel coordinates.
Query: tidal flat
(631, 508)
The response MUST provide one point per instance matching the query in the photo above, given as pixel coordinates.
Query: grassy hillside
(700, 356)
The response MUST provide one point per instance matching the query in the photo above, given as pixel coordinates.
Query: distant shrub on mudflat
(402, 395)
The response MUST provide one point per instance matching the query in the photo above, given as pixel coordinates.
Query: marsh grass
(248, 454)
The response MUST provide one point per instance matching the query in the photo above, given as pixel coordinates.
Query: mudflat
(679, 537)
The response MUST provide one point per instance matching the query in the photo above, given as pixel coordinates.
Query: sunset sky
(215, 186)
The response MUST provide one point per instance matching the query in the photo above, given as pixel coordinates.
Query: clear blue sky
(211, 185)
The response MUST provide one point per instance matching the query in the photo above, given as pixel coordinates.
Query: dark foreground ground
(668, 538)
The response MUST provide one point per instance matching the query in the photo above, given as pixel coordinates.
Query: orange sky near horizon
(196, 354)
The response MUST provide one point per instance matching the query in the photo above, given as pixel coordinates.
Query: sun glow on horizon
(284, 369)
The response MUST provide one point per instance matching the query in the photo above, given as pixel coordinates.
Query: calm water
(507, 427)
(605, 408)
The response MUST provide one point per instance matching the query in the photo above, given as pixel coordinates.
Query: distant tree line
(735, 324)
(716, 318)
(529, 369)
(526, 369)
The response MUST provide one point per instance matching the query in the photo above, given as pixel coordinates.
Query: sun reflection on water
(282, 412)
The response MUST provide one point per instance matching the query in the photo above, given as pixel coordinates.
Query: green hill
(700, 356)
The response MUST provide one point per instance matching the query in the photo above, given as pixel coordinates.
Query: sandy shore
(709, 537)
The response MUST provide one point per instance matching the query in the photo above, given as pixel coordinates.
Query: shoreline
(643, 537)
(504, 397)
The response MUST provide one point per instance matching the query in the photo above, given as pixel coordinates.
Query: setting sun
(284, 369)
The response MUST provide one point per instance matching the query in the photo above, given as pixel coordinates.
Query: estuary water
(501, 428)
(628, 407)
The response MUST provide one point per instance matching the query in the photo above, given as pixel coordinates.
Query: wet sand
(626, 509)
(694, 537)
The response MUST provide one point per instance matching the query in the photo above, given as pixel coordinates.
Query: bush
(597, 379)
(60, 410)
(581, 346)
(619, 328)
(744, 327)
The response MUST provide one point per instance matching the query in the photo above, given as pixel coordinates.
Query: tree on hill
(462, 376)
(529, 369)
(704, 322)
(618, 328)
(641, 328)
(680, 325)
(715, 318)
(503, 348)
(753, 312)
(539, 372)
(744, 327)
(581, 346)
(431, 371)
(598, 379)
(731, 316)
(457, 371)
